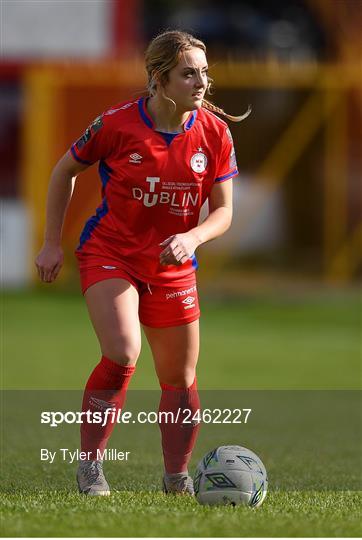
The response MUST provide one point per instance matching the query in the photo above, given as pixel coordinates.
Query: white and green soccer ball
(231, 475)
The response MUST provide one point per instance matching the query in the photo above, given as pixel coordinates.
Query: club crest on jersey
(198, 162)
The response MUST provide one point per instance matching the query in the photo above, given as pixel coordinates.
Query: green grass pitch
(268, 343)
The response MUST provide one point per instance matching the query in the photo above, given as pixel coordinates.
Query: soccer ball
(231, 475)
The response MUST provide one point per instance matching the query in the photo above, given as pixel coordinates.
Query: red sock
(178, 439)
(106, 388)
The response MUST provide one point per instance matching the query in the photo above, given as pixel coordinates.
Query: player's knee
(184, 379)
(123, 353)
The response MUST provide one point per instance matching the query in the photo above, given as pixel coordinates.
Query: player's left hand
(178, 248)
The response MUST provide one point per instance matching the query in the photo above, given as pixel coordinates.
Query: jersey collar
(149, 122)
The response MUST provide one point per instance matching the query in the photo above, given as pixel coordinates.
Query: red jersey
(153, 185)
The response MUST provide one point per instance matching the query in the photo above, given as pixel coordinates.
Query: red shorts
(159, 306)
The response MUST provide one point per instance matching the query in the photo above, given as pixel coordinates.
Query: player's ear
(153, 86)
(160, 80)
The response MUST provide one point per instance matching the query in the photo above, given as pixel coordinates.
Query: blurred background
(298, 203)
(297, 228)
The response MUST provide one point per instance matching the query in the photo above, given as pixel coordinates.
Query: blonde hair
(163, 54)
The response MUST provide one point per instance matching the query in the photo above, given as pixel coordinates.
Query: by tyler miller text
(73, 456)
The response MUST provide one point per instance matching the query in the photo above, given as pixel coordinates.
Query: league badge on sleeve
(232, 160)
(93, 128)
(84, 139)
(96, 124)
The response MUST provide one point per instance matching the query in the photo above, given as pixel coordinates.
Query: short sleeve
(227, 167)
(95, 143)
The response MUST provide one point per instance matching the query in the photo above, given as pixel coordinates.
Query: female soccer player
(159, 158)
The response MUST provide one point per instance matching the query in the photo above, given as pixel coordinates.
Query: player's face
(187, 82)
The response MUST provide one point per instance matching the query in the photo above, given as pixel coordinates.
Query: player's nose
(199, 80)
(199, 83)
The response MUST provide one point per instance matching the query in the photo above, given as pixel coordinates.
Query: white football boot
(91, 480)
(178, 484)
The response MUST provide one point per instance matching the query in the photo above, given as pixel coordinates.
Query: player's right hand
(49, 262)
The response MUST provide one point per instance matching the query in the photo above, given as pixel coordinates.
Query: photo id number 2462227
(216, 416)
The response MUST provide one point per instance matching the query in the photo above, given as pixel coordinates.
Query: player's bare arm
(180, 247)
(50, 258)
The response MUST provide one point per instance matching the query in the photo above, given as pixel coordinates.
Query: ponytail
(215, 109)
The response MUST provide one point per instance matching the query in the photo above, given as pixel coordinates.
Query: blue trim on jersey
(195, 264)
(104, 172)
(190, 122)
(149, 122)
(169, 137)
(142, 109)
(93, 222)
(226, 176)
(78, 158)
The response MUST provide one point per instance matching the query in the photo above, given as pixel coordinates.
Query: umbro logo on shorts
(189, 301)
(135, 158)
(106, 267)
